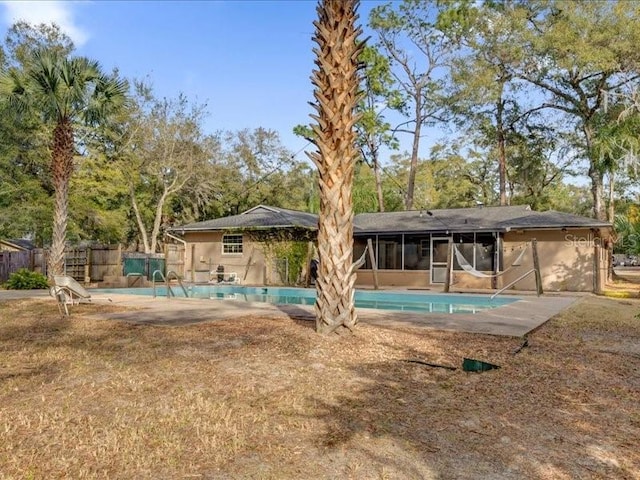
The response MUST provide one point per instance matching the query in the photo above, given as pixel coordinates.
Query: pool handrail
(153, 282)
(510, 284)
(167, 284)
(177, 277)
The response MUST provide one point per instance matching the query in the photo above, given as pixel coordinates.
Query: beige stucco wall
(463, 279)
(394, 278)
(418, 279)
(567, 259)
(204, 253)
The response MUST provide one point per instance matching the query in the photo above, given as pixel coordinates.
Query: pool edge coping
(515, 319)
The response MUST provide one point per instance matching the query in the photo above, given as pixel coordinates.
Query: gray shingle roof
(21, 243)
(552, 219)
(470, 219)
(258, 217)
(450, 219)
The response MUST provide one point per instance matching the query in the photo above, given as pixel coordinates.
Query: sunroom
(421, 260)
(487, 247)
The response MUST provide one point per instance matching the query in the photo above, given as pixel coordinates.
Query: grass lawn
(271, 399)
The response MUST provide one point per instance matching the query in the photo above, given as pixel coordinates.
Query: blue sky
(250, 61)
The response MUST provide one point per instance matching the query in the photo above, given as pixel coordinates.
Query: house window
(232, 244)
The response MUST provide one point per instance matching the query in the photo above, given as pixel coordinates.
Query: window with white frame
(232, 244)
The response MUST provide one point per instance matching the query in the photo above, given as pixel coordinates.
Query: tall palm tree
(63, 90)
(336, 92)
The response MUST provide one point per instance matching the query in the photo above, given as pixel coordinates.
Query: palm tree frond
(66, 90)
(13, 89)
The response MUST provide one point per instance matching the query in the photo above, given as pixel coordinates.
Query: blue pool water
(382, 300)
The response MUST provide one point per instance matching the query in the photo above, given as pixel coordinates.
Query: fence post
(374, 264)
(87, 266)
(447, 278)
(193, 263)
(536, 266)
(119, 265)
(307, 278)
(598, 280)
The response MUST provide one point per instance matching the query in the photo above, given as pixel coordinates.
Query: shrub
(25, 279)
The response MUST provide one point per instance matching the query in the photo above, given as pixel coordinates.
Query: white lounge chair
(67, 291)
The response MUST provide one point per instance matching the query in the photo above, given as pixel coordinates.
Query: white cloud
(37, 12)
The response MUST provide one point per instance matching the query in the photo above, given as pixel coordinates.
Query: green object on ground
(471, 365)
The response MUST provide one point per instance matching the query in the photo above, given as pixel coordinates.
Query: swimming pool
(382, 300)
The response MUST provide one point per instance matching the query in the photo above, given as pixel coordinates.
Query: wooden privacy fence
(93, 263)
(104, 262)
(174, 258)
(34, 260)
(13, 261)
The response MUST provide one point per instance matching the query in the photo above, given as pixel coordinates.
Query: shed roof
(18, 243)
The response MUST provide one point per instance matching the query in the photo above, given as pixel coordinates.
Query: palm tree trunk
(336, 92)
(61, 170)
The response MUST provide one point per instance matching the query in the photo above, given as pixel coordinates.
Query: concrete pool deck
(515, 319)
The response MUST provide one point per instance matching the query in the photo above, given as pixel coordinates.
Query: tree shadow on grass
(40, 326)
(502, 424)
(31, 321)
(304, 317)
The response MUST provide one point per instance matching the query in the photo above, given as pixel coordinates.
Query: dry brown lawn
(270, 399)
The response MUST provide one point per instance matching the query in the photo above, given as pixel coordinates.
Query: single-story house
(236, 244)
(487, 247)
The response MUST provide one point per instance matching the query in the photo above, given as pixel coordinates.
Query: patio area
(516, 319)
